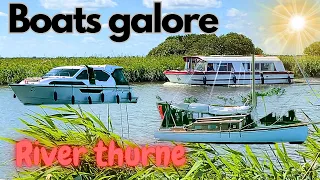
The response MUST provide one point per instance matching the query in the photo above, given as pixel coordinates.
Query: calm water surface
(143, 117)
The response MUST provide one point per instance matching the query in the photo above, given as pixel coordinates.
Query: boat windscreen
(119, 77)
(62, 72)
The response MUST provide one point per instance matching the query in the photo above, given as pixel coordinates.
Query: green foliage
(205, 44)
(268, 93)
(227, 100)
(190, 100)
(235, 44)
(81, 129)
(203, 160)
(313, 49)
(258, 51)
(309, 64)
(137, 69)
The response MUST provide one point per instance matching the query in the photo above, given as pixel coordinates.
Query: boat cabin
(198, 117)
(233, 64)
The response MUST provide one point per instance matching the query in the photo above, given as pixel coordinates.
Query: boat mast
(254, 99)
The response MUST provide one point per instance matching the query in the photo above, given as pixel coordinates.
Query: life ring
(55, 96)
(130, 96)
(234, 78)
(90, 100)
(118, 99)
(73, 99)
(204, 80)
(289, 79)
(262, 78)
(102, 97)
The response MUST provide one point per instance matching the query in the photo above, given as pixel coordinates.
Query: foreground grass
(137, 69)
(203, 161)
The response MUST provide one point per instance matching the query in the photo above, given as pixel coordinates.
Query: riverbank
(137, 69)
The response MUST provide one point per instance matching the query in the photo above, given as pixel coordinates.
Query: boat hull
(291, 134)
(45, 94)
(228, 78)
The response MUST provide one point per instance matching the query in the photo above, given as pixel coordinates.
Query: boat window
(101, 76)
(210, 67)
(119, 77)
(83, 75)
(66, 83)
(62, 72)
(247, 66)
(257, 66)
(267, 67)
(225, 67)
(201, 66)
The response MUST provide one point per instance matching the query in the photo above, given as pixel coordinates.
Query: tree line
(206, 44)
(210, 44)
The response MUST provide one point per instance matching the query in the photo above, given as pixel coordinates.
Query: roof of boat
(234, 58)
(93, 66)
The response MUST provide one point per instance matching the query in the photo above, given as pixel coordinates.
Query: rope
(121, 121)
(128, 121)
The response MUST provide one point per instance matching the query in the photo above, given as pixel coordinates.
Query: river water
(144, 118)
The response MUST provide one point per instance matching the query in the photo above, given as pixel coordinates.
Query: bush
(313, 49)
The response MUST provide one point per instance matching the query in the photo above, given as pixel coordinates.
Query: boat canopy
(230, 58)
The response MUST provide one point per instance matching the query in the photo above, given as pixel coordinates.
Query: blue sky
(245, 16)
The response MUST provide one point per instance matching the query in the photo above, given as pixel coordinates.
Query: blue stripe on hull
(278, 135)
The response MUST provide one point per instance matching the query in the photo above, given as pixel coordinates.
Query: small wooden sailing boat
(229, 125)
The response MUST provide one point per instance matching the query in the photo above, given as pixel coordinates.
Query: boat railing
(221, 117)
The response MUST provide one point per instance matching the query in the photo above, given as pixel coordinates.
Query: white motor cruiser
(230, 70)
(76, 85)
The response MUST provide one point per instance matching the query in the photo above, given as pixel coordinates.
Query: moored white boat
(230, 70)
(77, 85)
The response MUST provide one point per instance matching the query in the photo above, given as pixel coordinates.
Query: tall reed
(81, 128)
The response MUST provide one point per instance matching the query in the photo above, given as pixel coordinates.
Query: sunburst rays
(294, 24)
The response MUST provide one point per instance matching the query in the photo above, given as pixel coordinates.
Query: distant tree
(172, 46)
(235, 44)
(258, 51)
(313, 49)
(204, 44)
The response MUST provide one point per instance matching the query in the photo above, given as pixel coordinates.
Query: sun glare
(293, 25)
(297, 23)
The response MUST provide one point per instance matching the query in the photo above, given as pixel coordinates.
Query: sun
(297, 23)
(292, 25)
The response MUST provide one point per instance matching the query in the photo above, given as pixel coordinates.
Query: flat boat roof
(234, 58)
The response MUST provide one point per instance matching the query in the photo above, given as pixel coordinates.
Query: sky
(247, 17)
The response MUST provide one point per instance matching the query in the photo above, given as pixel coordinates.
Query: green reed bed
(137, 69)
(203, 160)
(309, 64)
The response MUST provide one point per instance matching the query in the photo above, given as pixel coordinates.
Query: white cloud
(231, 26)
(233, 12)
(262, 28)
(105, 26)
(68, 5)
(3, 14)
(89, 40)
(174, 4)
